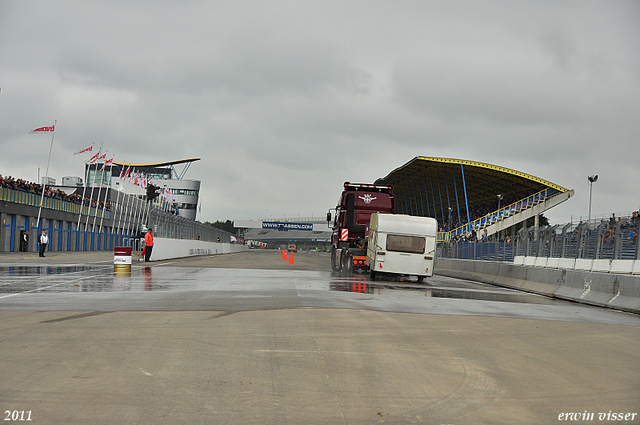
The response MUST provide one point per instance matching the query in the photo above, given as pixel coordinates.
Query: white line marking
(47, 287)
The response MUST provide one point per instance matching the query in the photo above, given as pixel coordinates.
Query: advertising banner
(287, 225)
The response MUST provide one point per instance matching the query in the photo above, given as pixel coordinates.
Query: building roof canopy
(448, 177)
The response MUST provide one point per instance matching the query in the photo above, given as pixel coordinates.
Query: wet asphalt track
(250, 338)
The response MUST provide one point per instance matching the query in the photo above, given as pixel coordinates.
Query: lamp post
(592, 179)
(498, 213)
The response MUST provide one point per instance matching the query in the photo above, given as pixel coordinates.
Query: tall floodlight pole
(592, 179)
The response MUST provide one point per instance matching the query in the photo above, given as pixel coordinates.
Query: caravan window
(411, 244)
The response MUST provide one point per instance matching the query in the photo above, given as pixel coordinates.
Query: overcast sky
(286, 100)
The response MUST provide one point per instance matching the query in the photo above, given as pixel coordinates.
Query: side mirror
(328, 217)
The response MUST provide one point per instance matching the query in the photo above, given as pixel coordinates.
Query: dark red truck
(355, 206)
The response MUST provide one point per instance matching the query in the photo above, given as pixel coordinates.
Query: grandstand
(469, 196)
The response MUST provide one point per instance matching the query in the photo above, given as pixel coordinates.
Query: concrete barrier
(553, 263)
(540, 262)
(601, 266)
(583, 264)
(617, 291)
(486, 271)
(622, 266)
(542, 281)
(602, 289)
(567, 263)
(511, 275)
(165, 249)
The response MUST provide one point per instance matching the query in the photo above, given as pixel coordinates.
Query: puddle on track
(480, 292)
(81, 278)
(75, 278)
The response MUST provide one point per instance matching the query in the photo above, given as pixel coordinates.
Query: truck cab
(355, 206)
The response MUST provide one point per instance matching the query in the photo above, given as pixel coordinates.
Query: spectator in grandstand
(19, 184)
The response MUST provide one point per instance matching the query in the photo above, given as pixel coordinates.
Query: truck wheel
(347, 263)
(334, 266)
(372, 275)
(421, 278)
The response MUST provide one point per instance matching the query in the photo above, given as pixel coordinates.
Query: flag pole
(107, 191)
(95, 216)
(84, 188)
(95, 174)
(53, 133)
(116, 206)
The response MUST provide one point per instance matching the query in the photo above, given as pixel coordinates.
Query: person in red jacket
(148, 245)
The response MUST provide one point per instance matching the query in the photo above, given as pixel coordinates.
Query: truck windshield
(402, 243)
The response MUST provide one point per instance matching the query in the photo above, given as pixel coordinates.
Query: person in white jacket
(44, 240)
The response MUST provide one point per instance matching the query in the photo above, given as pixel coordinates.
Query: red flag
(43, 129)
(89, 149)
(94, 158)
(107, 163)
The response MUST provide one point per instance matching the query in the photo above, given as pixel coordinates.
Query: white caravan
(401, 244)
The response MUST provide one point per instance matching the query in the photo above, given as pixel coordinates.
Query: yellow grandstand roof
(448, 181)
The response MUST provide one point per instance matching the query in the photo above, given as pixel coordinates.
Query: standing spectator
(44, 240)
(148, 245)
(25, 242)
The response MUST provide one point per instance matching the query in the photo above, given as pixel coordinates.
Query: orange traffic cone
(291, 258)
(284, 254)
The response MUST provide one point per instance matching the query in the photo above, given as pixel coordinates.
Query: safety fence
(605, 240)
(80, 228)
(32, 199)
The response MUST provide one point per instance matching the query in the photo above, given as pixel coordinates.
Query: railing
(502, 213)
(572, 240)
(18, 196)
(167, 225)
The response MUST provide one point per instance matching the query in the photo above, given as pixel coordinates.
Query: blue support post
(441, 204)
(421, 201)
(466, 200)
(406, 210)
(426, 196)
(455, 186)
(433, 196)
(446, 185)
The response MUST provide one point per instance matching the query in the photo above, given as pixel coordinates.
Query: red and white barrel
(122, 260)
